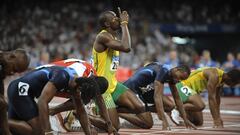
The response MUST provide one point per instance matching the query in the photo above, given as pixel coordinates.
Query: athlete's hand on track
(165, 126)
(93, 131)
(112, 131)
(218, 123)
(190, 125)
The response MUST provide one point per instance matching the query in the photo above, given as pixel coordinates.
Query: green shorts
(111, 98)
(184, 92)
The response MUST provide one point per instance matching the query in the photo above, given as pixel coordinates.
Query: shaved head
(105, 17)
(22, 60)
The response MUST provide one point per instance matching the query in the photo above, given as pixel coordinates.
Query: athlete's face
(230, 83)
(15, 64)
(113, 21)
(180, 75)
(86, 86)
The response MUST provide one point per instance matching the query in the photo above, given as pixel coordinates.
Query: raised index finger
(119, 10)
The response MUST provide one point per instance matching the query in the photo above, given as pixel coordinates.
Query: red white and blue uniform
(23, 91)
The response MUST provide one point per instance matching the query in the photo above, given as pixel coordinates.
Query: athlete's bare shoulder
(101, 40)
(212, 71)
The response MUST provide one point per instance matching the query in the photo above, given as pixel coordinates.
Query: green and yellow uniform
(106, 64)
(196, 83)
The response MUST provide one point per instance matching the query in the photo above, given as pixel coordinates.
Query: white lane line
(232, 125)
(232, 112)
(187, 130)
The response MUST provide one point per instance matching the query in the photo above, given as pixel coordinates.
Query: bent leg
(196, 118)
(194, 106)
(113, 115)
(3, 116)
(32, 127)
(23, 114)
(100, 123)
(142, 120)
(130, 101)
(66, 106)
(194, 103)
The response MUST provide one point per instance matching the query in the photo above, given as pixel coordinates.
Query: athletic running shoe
(175, 117)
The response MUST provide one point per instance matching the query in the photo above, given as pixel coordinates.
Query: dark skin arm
(158, 94)
(218, 99)
(179, 105)
(3, 109)
(81, 112)
(66, 106)
(105, 40)
(104, 113)
(214, 102)
(46, 96)
(3, 119)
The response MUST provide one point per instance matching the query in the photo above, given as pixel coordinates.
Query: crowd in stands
(56, 30)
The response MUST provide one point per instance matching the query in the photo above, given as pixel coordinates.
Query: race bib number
(186, 90)
(114, 64)
(23, 89)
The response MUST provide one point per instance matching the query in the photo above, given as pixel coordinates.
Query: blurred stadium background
(196, 32)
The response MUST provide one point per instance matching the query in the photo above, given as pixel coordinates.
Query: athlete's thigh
(30, 127)
(131, 101)
(197, 101)
(35, 122)
(3, 103)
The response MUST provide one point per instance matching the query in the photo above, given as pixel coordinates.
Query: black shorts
(147, 97)
(21, 107)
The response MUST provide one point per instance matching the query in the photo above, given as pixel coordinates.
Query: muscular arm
(105, 40)
(66, 106)
(219, 122)
(104, 112)
(212, 77)
(158, 94)
(180, 108)
(126, 39)
(218, 99)
(45, 97)
(81, 113)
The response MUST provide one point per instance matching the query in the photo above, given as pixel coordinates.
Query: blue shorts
(20, 107)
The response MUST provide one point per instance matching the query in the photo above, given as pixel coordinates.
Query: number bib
(115, 63)
(23, 89)
(186, 90)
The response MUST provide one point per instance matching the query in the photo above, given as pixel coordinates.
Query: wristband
(124, 22)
